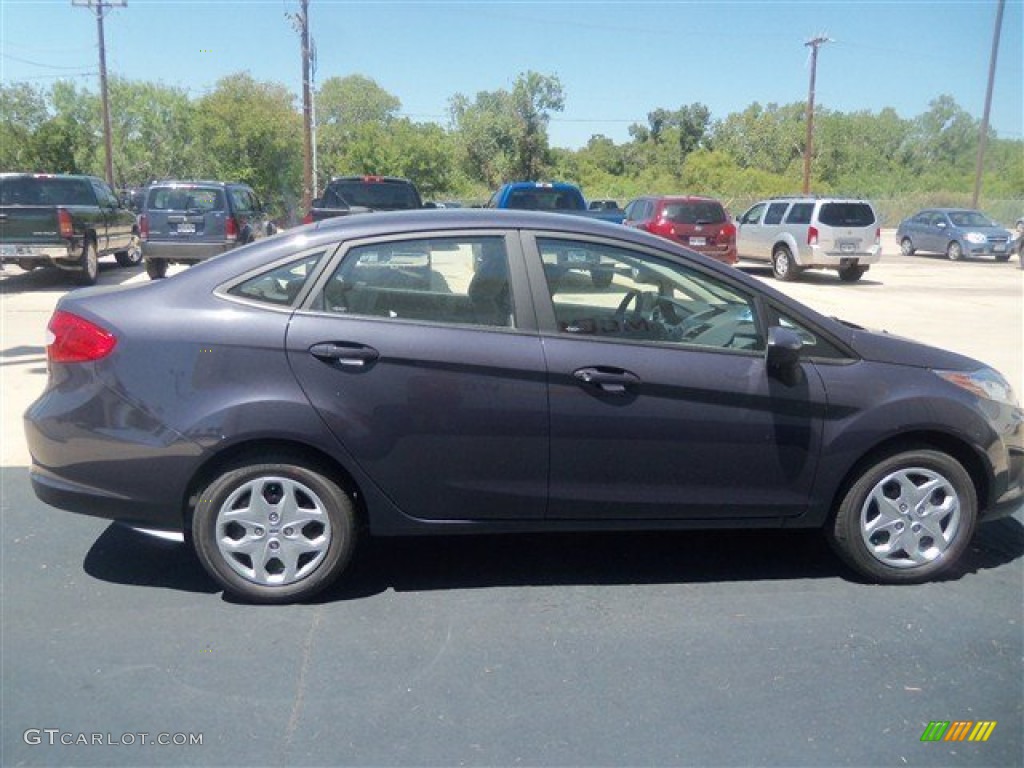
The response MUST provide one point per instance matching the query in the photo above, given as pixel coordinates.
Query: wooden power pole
(307, 112)
(100, 7)
(983, 138)
(814, 44)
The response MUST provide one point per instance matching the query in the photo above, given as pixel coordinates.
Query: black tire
(133, 256)
(88, 265)
(601, 278)
(156, 268)
(852, 274)
(783, 265)
(906, 247)
(954, 251)
(27, 264)
(295, 558)
(889, 534)
(1002, 257)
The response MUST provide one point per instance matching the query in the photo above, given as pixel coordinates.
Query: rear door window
(775, 213)
(800, 213)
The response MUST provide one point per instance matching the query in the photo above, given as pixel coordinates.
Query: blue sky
(616, 60)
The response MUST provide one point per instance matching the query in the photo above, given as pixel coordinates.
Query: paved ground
(734, 648)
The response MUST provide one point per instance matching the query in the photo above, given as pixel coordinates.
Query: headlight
(976, 237)
(986, 383)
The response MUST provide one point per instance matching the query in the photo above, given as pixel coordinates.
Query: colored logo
(958, 730)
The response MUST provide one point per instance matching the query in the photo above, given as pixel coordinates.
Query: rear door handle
(613, 381)
(347, 355)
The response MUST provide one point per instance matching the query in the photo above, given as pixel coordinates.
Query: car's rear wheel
(274, 532)
(1002, 257)
(851, 274)
(906, 247)
(27, 264)
(88, 265)
(906, 518)
(955, 251)
(133, 255)
(783, 266)
(156, 268)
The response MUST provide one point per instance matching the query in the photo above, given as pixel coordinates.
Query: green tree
(151, 127)
(250, 131)
(23, 109)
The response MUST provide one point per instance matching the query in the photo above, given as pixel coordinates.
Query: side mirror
(783, 355)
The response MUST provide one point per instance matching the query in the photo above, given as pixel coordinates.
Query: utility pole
(302, 21)
(813, 44)
(983, 138)
(100, 6)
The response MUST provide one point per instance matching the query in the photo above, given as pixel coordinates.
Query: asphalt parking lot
(707, 648)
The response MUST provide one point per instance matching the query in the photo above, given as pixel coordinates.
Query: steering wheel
(633, 296)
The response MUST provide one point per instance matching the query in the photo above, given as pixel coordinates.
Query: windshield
(694, 213)
(970, 219)
(846, 215)
(380, 195)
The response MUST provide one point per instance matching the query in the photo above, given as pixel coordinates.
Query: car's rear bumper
(833, 259)
(14, 252)
(179, 251)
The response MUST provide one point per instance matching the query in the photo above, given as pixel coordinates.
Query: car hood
(884, 347)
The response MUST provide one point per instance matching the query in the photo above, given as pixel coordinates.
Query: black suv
(188, 221)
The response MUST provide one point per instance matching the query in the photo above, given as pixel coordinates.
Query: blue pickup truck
(553, 196)
(560, 197)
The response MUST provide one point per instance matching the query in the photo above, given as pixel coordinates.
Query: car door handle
(350, 356)
(612, 381)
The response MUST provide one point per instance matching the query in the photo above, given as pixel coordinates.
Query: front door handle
(613, 381)
(347, 355)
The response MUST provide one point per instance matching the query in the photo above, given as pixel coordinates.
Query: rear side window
(700, 212)
(185, 198)
(281, 285)
(28, 190)
(800, 213)
(846, 215)
(545, 199)
(372, 194)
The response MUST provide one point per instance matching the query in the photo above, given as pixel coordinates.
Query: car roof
(196, 183)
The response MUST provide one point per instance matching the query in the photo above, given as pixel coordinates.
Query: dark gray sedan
(440, 372)
(955, 232)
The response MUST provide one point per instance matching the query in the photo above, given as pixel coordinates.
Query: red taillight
(308, 218)
(144, 227)
(76, 340)
(231, 228)
(812, 235)
(728, 232)
(878, 236)
(66, 225)
(373, 179)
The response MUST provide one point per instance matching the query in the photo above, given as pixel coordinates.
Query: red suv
(699, 223)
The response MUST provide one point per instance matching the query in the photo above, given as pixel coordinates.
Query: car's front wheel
(274, 531)
(783, 265)
(906, 518)
(955, 251)
(906, 247)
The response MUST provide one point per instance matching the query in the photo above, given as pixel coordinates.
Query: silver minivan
(798, 233)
